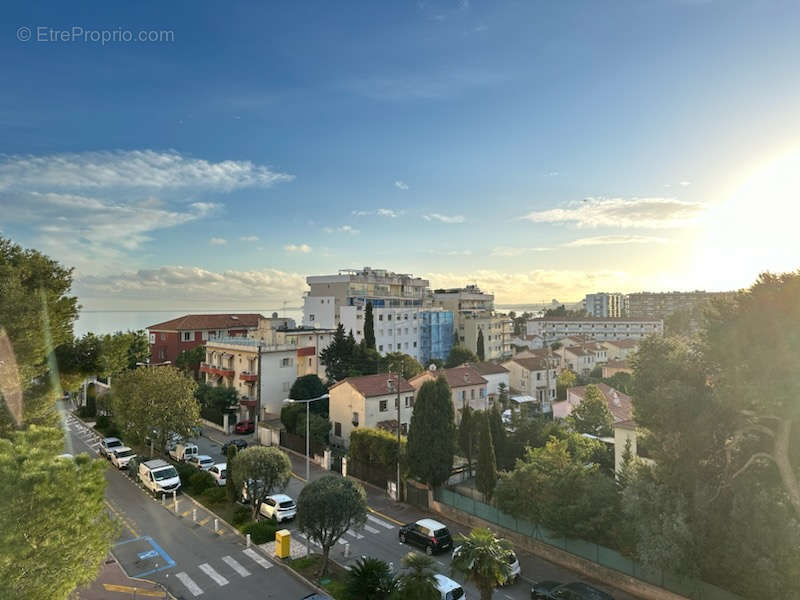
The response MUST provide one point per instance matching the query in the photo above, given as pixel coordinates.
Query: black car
(555, 590)
(317, 597)
(428, 534)
(239, 443)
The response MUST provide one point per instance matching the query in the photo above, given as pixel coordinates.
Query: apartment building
(170, 338)
(468, 300)
(498, 330)
(620, 349)
(355, 287)
(467, 387)
(577, 359)
(552, 329)
(604, 304)
(535, 376)
(660, 305)
(369, 401)
(309, 343)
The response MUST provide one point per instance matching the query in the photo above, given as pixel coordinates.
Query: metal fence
(606, 557)
(298, 443)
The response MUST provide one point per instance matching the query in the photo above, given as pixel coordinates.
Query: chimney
(390, 383)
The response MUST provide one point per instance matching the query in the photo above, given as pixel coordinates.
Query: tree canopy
(417, 581)
(480, 349)
(481, 557)
(345, 358)
(432, 433)
(398, 362)
(486, 477)
(261, 471)
(189, 360)
(592, 415)
(458, 356)
(369, 327)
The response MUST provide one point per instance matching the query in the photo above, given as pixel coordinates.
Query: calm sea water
(109, 321)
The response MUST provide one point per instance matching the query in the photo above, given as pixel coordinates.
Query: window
(382, 406)
(404, 428)
(396, 402)
(380, 317)
(380, 331)
(152, 338)
(337, 429)
(406, 330)
(311, 317)
(390, 332)
(463, 395)
(286, 362)
(389, 317)
(355, 419)
(472, 394)
(415, 344)
(389, 346)
(409, 401)
(483, 392)
(163, 337)
(380, 348)
(309, 362)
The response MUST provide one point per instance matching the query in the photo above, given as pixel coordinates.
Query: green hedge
(214, 495)
(200, 481)
(376, 447)
(241, 516)
(261, 532)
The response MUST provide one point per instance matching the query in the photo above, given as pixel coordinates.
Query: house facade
(494, 374)
(467, 387)
(536, 377)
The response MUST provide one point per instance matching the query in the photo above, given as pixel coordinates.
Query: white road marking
(341, 541)
(236, 566)
(257, 558)
(371, 529)
(209, 570)
(380, 522)
(355, 534)
(190, 585)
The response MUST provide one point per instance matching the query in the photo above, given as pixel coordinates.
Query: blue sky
(540, 149)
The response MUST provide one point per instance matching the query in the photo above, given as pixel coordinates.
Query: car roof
(111, 439)
(221, 465)
(431, 524)
(121, 448)
(203, 457)
(445, 584)
(280, 497)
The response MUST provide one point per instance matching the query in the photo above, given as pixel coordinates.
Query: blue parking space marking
(169, 562)
(151, 555)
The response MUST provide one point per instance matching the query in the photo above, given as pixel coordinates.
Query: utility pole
(397, 491)
(258, 392)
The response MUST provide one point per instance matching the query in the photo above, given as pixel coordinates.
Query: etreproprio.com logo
(77, 34)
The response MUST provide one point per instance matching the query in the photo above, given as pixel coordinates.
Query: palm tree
(370, 579)
(418, 582)
(482, 558)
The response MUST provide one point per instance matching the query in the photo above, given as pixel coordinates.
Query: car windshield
(125, 453)
(207, 461)
(287, 504)
(441, 532)
(113, 444)
(455, 594)
(165, 474)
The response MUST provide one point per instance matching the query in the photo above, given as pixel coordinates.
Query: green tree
(369, 327)
(308, 387)
(458, 356)
(621, 381)
(370, 579)
(139, 348)
(334, 357)
(592, 415)
(398, 362)
(482, 558)
(480, 350)
(326, 508)
(54, 529)
(498, 433)
(486, 477)
(215, 400)
(159, 400)
(319, 428)
(230, 486)
(417, 582)
(189, 360)
(566, 379)
(261, 471)
(466, 435)
(502, 395)
(432, 433)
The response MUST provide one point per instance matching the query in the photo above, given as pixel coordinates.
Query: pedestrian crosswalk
(219, 575)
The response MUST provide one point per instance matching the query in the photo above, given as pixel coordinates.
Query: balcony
(216, 370)
(248, 376)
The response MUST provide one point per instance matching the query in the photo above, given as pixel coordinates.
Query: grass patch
(335, 580)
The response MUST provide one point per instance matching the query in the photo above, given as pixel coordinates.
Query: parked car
(316, 596)
(245, 427)
(511, 559)
(108, 444)
(159, 476)
(449, 589)
(428, 534)
(121, 456)
(238, 442)
(201, 461)
(279, 507)
(183, 452)
(218, 472)
(577, 590)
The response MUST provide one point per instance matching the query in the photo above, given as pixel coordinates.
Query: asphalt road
(379, 537)
(188, 557)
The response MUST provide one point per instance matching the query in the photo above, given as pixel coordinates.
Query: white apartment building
(396, 329)
(309, 343)
(552, 329)
(497, 330)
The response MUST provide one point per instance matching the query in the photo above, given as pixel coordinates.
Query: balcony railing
(248, 376)
(216, 370)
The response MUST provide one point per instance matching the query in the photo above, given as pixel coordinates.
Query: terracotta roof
(488, 368)
(619, 404)
(531, 364)
(578, 351)
(617, 364)
(370, 386)
(533, 353)
(220, 321)
(456, 377)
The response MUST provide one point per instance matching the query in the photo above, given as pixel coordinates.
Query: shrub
(241, 516)
(215, 495)
(200, 481)
(185, 472)
(260, 532)
(376, 447)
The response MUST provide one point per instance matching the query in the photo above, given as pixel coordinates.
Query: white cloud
(444, 218)
(651, 213)
(341, 229)
(216, 241)
(148, 169)
(686, 183)
(193, 286)
(401, 185)
(249, 238)
(607, 240)
(303, 248)
(381, 212)
(509, 251)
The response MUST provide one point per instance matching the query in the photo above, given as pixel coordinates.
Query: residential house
(621, 349)
(535, 377)
(309, 343)
(530, 342)
(576, 358)
(494, 374)
(613, 367)
(170, 338)
(619, 404)
(369, 401)
(467, 387)
(624, 432)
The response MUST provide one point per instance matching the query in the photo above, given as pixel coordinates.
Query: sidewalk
(112, 583)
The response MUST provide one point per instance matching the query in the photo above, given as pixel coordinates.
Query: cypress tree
(369, 327)
(481, 351)
(486, 478)
(465, 429)
(432, 434)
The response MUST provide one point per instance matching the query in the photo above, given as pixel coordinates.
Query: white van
(182, 452)
(449, 589)
(159, 477)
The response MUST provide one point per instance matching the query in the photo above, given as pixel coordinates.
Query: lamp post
(308, 421)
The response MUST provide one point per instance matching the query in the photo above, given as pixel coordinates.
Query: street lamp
(308, 421)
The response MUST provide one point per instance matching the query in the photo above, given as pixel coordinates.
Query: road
(379, 537)
(189, 558)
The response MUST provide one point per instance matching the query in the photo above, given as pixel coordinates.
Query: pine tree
(369, 327)
(481, 351)
(486, 478)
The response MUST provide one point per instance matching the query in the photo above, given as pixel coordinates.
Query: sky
(539, 149)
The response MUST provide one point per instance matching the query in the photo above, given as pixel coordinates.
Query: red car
(245, 427)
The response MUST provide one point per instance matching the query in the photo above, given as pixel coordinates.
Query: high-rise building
(660, 305)
(604, 304)
(473, 311)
